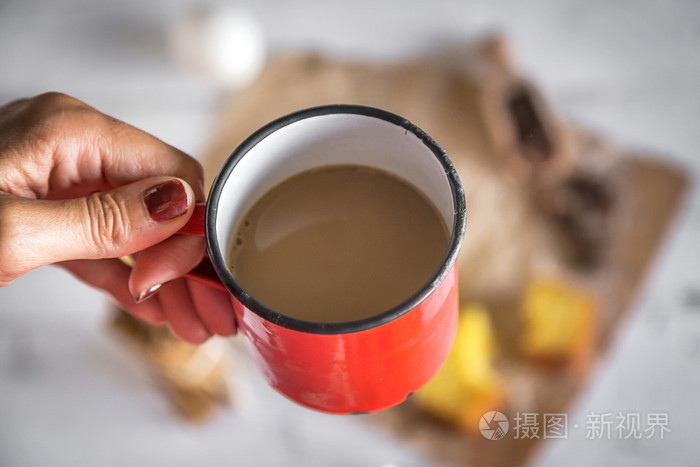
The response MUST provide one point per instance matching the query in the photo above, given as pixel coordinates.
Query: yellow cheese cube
(467, 386)
(559, 322)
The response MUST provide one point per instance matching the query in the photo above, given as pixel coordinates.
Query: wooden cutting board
(470, 101)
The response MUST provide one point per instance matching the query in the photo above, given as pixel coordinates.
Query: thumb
(101, 225)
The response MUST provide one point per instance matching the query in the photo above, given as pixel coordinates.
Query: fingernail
(147, 293)
(166, 201)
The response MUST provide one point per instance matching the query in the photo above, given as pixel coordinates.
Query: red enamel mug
(348, 367)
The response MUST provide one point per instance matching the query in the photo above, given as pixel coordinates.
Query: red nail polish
(166, 201)
(147, 293)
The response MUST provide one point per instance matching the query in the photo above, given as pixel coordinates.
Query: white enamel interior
(330, 140)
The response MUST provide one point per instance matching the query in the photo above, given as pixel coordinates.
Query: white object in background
(225, 45)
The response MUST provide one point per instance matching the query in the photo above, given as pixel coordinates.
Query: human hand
(80, 189)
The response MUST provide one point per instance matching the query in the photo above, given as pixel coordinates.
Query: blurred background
(72, 393)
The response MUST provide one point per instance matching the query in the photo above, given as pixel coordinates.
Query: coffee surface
(338, 244)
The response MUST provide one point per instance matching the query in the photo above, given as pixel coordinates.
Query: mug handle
(195, 226)
(204, 272)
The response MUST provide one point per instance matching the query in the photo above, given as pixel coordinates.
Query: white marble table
(73, 395)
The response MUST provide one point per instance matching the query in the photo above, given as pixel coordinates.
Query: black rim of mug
(219, 261)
